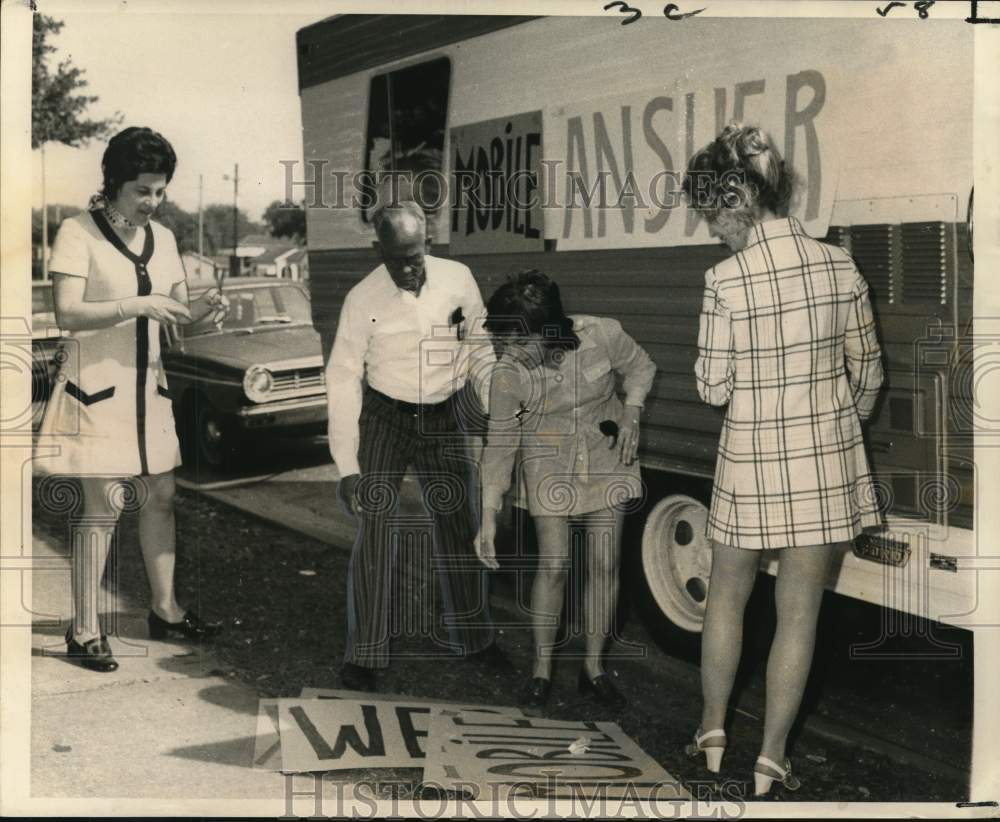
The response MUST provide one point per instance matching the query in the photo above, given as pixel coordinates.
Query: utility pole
(201, 220)
(45, 222)
(236, 194)
(234, 261)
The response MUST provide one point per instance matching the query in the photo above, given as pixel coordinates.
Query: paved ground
(178, 722)
(916, 710)
(167, 723)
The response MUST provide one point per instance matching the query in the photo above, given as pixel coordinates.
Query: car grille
(299, 382)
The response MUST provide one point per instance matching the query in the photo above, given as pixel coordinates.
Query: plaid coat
(779, 321)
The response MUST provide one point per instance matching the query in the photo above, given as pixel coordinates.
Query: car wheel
(210, 437)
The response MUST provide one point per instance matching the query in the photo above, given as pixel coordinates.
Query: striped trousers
(434, 443)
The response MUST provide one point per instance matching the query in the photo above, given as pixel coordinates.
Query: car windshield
(254, 307)
(41, 299)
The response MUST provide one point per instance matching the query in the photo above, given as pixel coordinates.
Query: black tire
(208, 437)
(41, 383)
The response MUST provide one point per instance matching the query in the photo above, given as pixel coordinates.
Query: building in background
(272, 262)
(296, 265)
(261, 255)
(247, 250)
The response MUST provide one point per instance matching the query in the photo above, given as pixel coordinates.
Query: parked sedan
(258, 372)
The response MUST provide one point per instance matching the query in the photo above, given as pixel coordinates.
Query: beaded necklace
(116, 218)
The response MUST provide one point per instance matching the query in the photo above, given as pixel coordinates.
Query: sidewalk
(190, 731)
(170, 723)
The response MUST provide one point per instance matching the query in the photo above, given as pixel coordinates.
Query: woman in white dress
(117, 277)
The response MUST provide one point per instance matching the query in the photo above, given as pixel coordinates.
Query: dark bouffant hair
(739, 170)
(529, 302)
(134, 151)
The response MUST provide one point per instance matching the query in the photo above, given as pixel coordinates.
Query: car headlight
(257, 383)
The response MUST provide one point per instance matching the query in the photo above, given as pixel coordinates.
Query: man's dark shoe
(492, 658)
(357, 677)
(602, 689)
(535, 693)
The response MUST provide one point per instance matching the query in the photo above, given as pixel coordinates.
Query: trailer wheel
(677, 560)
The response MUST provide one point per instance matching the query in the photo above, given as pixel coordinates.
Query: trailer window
(411, 139)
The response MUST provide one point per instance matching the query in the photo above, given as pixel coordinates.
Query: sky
(222, 87)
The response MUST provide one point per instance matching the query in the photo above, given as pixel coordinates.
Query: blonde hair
(740, 170)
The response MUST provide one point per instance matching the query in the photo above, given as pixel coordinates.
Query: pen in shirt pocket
(457, 319)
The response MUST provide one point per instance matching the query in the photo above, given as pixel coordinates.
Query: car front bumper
(293, 413)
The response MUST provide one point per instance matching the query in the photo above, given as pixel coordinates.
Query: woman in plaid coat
(787, 340)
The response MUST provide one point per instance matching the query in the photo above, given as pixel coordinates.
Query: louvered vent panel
(925, 252)
(874, 250)
(839, 235)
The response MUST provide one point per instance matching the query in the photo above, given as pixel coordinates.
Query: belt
(414, 408)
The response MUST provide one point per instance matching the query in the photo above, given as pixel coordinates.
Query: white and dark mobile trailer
(881, 141)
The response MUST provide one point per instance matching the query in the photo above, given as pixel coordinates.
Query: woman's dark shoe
(94, 653)
(602, 689)
(535, 692)
(191, 627)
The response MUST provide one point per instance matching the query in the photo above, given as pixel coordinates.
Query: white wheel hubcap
(677, 560)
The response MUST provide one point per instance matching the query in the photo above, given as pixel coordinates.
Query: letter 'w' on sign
(348, 735)
(340, 734)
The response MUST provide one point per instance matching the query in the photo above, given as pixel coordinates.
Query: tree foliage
(218, 221)
(217, 226)
(183, 224)
(56, 109)
(286, 219)
(56, 214)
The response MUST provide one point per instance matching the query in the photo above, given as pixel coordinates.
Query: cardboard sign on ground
(267, 742)
(334, 693)
(338, 734)
(366, 696)
(491, 755)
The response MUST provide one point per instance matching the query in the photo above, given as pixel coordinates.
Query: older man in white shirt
(394, 382)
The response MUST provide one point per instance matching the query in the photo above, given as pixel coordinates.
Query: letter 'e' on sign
(496, 178)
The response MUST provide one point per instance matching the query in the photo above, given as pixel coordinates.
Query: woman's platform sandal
(713, 753)
(762, 781)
